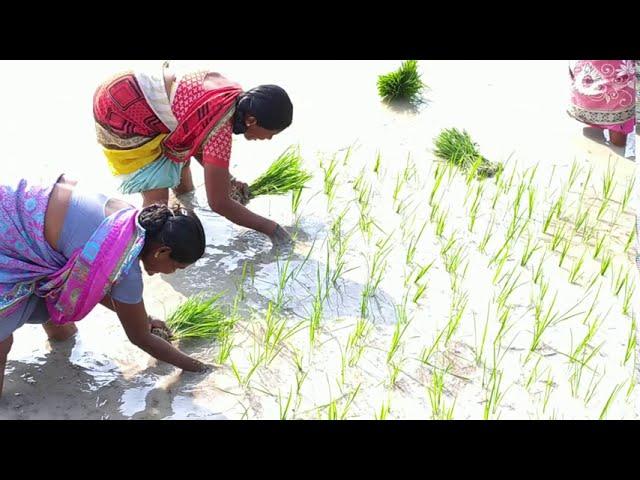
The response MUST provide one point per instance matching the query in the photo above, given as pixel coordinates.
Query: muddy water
(100, 375)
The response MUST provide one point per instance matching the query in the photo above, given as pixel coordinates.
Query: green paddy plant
(482, 246)
(581, 220)
(563, 253)
(599, 245)
(558, 237)
(509, 286)
(543, 319)
(493, 394)
(420, 289)
(356, 341)
(628, 193)
(198, 317)
(531, 199)
(607, 405)
(459, 303)
(441, 222)
(475, 205)
(592, 387)
(528, 252)
(405, 83)
(453, 261)
(284, 408)
(441, 170)
(479, 349)
(459, 149)
(608, 187)
(632, 341)
(547, 391)
(317, 309)
(385, 410)
(376, 166)
(533, 375)
(548, 218)
(276, 333)
(423, 271)
(413, 245)
(398, 187)
(296, 196)
(573, 174)
(628, 297)
(576, 267)
(439, 409)
(606, 263)
(537, 271)
(396, 340)
(500, 263)
(284, 175)
(592, 329)
(630, 239)
(619, 281)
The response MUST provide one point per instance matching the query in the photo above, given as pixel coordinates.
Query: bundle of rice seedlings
(458, 148)
(403, 84)
(198, 317)
(284, 175)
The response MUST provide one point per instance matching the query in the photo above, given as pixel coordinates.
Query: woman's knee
(5, 348)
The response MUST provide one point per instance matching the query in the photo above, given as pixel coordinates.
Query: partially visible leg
(5, 347)
(60, 333)
(159, 195)
(619, 139)
(186, 181)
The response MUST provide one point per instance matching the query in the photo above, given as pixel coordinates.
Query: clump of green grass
(284, 175)
(403, 84)
(458, 148)
(198, 317)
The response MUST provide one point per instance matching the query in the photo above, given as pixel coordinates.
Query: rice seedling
(632, 341)
(531, 199)
(500, 263)
(619, 281)
(547, 392)
(606, 263)
(423, 271)
(592, 387)
(405, 83)
(275, 334)
(509, 286)
(441, 222)
(537, 272)
(557, 238)
(284, 409)
(576, 267)
(452, 262)
(335, 413)
(591, 333)
(394, 371)
(632, 383)
(599, 245)
(543, 319)
(479, 349)
(563, 253)
(628, 192)
(317, 308)
(548, 217)
(459, 302)
(397, 188)
(284, 175)
(585, 185)
(482, 246)
(413, 245)
(581, 220)
(441, 170)
(630, 239)
(419, 292)
(493, 395)
(198, 317)
(296, 196)
(475, 205)
(573, 174)
(607, 190)
(628, 297)
(385, 409)
(459, 149)
(439, 410)
(528, 252)
(612, 396)
(533, 376)
(376, 166)
(396, 339)
(356, 340)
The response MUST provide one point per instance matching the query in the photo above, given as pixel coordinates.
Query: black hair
(175, 228)
(270, 104)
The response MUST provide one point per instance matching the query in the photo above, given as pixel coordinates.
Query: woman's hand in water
(280, 237)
